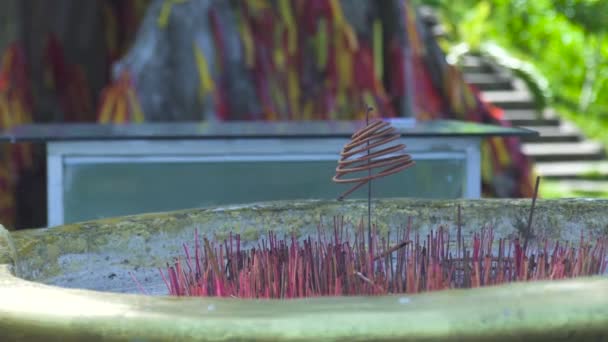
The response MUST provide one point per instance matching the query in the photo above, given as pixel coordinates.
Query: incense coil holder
(357, 156)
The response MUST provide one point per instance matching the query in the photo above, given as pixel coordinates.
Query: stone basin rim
(518, 309)
(110, 316)
(303, 204)
(122, 238)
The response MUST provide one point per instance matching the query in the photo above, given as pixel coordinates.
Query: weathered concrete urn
(71, 283)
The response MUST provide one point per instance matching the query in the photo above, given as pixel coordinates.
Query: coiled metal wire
(376, 134)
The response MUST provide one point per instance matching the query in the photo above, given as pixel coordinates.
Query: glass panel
(103, 190)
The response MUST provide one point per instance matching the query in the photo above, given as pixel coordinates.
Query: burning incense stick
(342, 265)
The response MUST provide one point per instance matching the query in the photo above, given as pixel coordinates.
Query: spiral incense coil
(377, 133)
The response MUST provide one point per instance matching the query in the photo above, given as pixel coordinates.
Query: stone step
(439, 32)
(475, 65)
(471, 59)
(521, 114)
(584, 186)
(560, 151)
(430, 20)
(479, 69)
(508, 100)
(428, 16)
(573, 169)
(531, 123)
(553, 134)
(554, 152)
(488, 81)
(555, 129)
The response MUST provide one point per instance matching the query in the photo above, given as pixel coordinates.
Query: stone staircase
(562, 155)
(561, 152)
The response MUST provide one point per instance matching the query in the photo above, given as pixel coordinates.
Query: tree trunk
(78, 26)
(30, 23)
(9, 25)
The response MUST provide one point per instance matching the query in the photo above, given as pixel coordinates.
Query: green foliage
(591, 15)
(473, 26)
(565, 40)
(557, 189)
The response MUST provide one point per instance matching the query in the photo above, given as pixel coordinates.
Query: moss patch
(92, 254)
(8, 255)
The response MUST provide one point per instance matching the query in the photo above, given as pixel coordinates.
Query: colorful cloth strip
(15, 109)
(325, 59)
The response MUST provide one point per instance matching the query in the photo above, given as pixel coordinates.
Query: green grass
(557, 189)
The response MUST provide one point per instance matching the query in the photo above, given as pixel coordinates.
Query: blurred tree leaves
(566, 40)
(591, 15)
(473, 26)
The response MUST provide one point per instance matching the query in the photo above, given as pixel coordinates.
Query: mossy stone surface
(98, 255)
(8, 255)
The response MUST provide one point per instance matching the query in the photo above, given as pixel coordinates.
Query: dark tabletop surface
(249, 129)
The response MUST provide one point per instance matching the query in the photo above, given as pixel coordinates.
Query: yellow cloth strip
(344, 59)
(341, 102)
(414, 38)
(278, 53)
(120, 115)
(206, 82)
(165, 12)
(279, 59)
(469, 98)
(370, 101)
(351, 37)
(486, 161)
(247, 39)
(5, 116)
(292, 41)
(336, 10)
(322, 44)
(289, 21)
(342, 26)
(378, 55)
(293, 88)
(108, 106)
(16, 111)
(257, 5)
(6, 60)
(502, 154)
(307, 111)
(137, 115)
(345, 44)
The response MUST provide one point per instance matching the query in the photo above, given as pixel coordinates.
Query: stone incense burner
(71, 283)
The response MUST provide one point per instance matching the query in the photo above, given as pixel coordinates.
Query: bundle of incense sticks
(340, 262)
